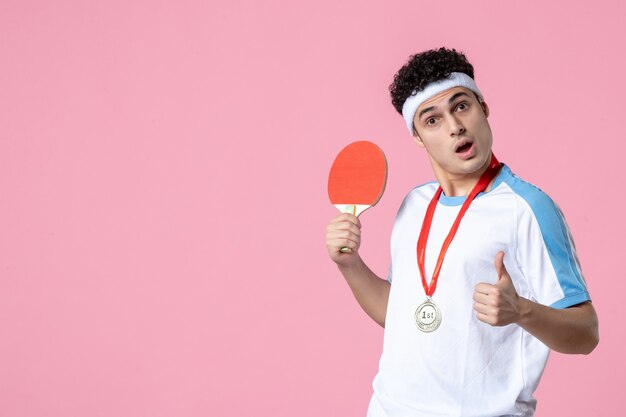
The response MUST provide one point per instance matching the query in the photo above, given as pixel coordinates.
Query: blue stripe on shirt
(556, 238)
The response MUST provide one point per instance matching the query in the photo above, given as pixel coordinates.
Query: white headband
(456, 79)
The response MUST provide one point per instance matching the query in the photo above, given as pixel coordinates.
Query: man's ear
(417, 139)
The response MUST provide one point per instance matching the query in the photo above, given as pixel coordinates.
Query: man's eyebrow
(457, 95)
(426, 110)
(450, 100)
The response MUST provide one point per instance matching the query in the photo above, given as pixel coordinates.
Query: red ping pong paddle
(357, 178)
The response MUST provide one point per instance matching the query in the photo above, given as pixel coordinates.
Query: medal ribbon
(481, 185)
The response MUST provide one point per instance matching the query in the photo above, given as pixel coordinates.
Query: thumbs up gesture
(497, 304)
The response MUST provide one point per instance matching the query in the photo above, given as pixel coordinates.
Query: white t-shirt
(467, 367)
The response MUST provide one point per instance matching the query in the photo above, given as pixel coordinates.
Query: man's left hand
(497, 304)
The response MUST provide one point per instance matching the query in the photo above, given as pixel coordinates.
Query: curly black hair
(424, 68)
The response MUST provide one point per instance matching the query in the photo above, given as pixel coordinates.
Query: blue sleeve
(546, 250)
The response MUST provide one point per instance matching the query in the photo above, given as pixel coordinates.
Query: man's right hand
(372, 292)
(344, 231)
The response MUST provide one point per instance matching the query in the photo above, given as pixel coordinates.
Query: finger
(343, 226)
(337, 244)
(484, 288)
(483, 309)
(499, 264)
(344, 246)
(485, 318)
(482, 298)
(343, 234)
(347, 217)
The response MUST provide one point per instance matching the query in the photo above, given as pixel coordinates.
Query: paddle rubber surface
(358, 175)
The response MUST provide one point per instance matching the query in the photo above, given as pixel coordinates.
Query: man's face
(453, 128)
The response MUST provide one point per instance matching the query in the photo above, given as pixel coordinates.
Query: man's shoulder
(425, 189)
(417, 198)
(535, 206)
(535, 197)
(425, 186)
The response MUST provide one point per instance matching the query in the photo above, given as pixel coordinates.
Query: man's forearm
(569, 330)
(371, 292)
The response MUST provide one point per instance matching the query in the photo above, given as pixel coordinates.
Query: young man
(484, 278)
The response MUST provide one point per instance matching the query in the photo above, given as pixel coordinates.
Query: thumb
(500, 268)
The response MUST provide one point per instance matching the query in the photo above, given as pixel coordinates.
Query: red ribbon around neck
(481, 185)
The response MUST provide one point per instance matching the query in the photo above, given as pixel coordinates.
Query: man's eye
(430, 121)
(462, 106)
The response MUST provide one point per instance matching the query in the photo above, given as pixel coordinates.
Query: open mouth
(464, 147)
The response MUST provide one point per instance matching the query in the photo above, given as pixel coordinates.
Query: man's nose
(456, 127)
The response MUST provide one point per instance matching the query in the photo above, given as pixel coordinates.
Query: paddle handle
(355, 209)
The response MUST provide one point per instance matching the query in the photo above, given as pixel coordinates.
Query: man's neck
(460, 185)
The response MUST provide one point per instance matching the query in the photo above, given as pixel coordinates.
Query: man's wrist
(524, 311)
(353, 266)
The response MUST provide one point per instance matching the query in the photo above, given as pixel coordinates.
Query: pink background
(163, 192)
